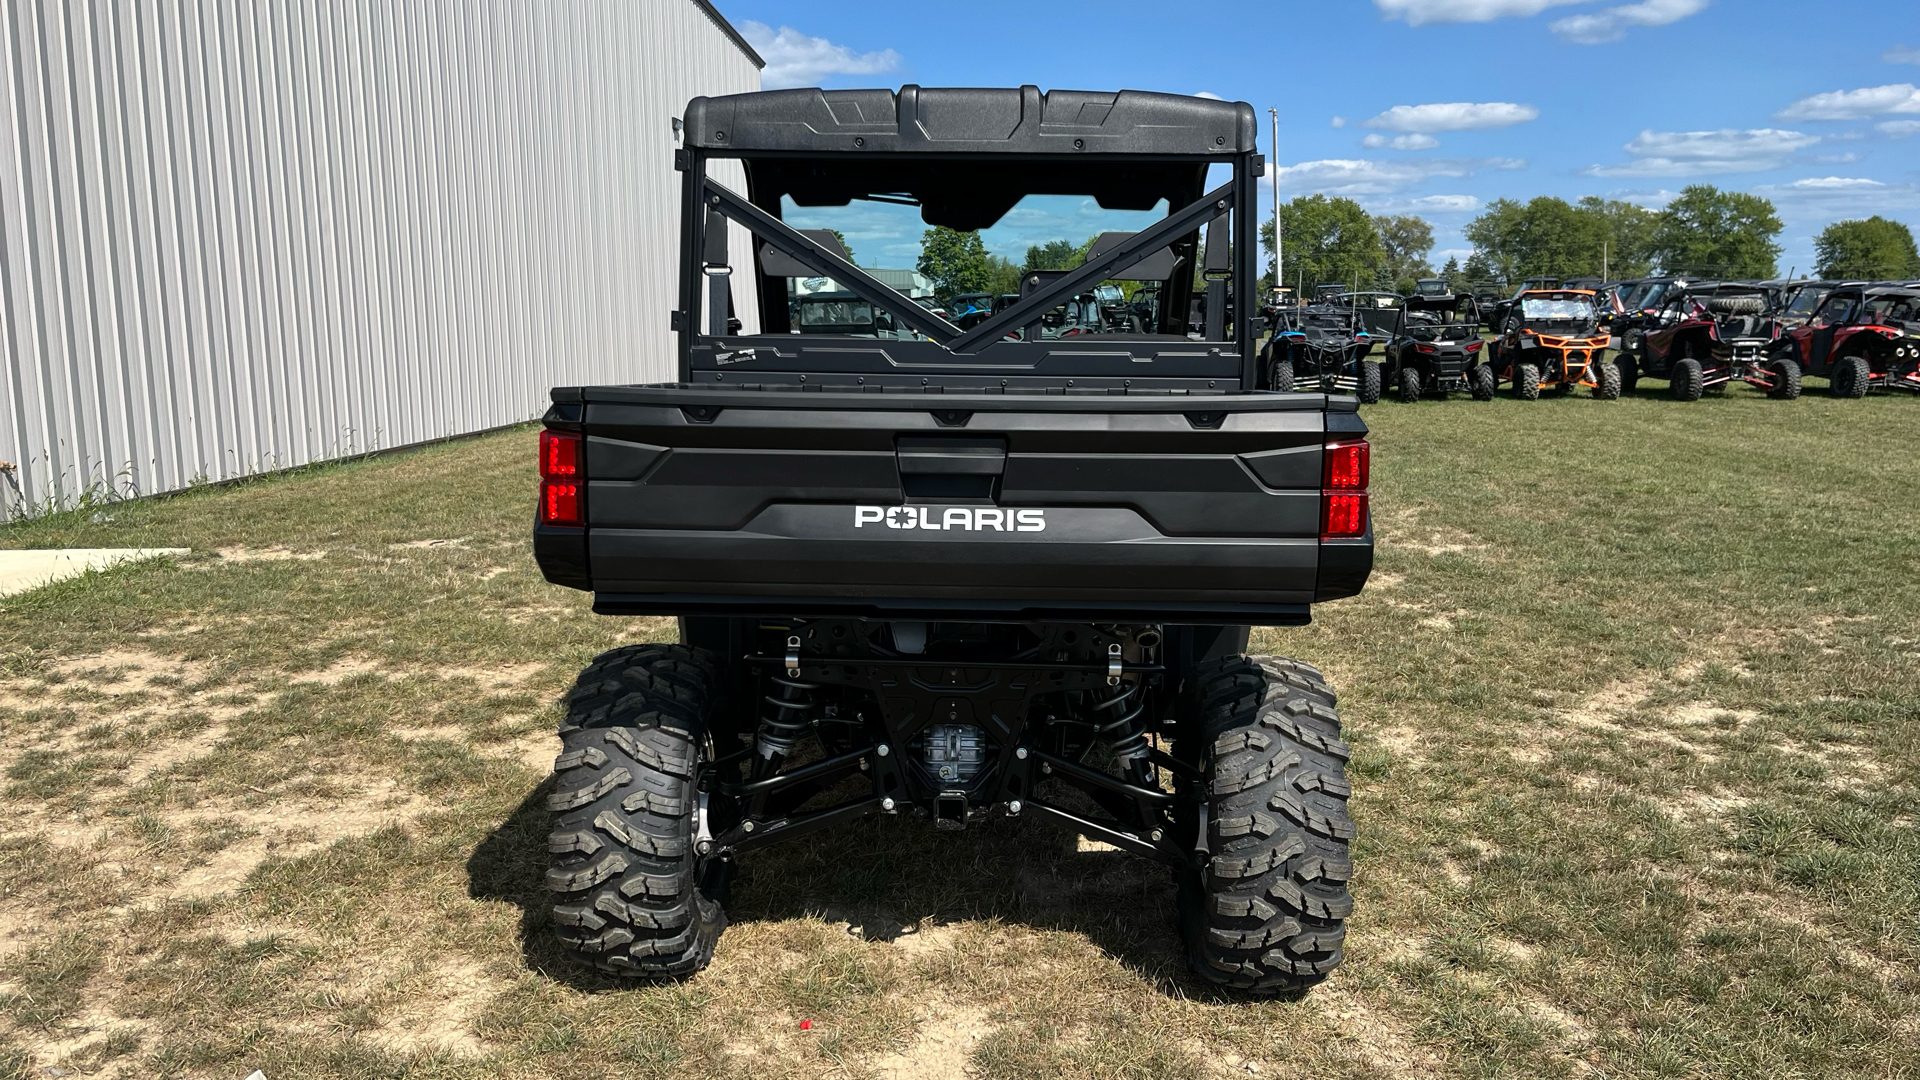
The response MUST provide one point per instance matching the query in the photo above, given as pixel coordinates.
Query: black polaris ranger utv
(957, 573)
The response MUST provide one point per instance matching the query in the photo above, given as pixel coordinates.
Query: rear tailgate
(1098, 507)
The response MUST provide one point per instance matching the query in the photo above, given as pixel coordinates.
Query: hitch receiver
(950, 810)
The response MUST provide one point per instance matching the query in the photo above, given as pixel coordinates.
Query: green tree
(1002, 276)
(956, 262)
(1628, 232)
(1479, 271)
(1054, 255)
(1455, 277)
(1546, 237)
(1329, 241)
(1717, 233)
(1874, 250)
(1406, 241)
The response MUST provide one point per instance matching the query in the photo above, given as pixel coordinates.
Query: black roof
(972, 121)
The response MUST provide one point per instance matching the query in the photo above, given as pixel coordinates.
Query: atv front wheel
(1409, 380)
(1268, 912)
(1526, 382)
(1851, 377)
(1606, 381)
(633, 896)
(1369, 389)
(1786, 380)
(1688, 380)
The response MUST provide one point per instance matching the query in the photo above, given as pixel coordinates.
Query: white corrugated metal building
(244, 235)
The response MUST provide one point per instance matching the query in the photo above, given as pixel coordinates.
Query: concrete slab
(23, 570)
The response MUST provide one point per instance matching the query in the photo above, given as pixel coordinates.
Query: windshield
(1806, 300)
(1556, 309)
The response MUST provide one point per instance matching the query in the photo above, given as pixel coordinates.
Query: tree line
(1704, 232)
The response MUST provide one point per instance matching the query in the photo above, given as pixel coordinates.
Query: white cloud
(1899, 129)
(1707, 153)
(1360, 177)
(1613, 23)
(1453, 116)
(1651, 200)
(1339, 121)
(1847, 158)
(1421, 12)
(797, 59)
(1854, 104)
(1900, 54)
(1400, 142)
(1208, 94)
(1835, 183)
(1446, 204)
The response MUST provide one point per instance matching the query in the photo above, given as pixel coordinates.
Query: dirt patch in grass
(241, 553)
(435, 1009)
(945, 1036)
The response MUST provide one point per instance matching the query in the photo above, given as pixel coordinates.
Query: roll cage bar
(1223, 357)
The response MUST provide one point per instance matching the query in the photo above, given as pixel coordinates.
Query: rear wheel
(1483, 383)
(1786, 380)
(1606, 378)
(633, 897)
(1409, 379)
(1688, 380)
(1629, 371)
(1369, 389)
(1282, 376)
(1268, 912)
(1526, 382)
(1851, 377)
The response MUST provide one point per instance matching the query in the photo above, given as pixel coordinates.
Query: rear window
(836, 313)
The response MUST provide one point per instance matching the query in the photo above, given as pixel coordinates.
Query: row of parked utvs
(1699, 335)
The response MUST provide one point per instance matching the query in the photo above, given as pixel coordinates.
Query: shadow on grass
(886, 877)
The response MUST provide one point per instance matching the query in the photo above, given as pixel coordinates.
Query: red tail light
(1346, 465)
(560, 504)
(1343, 500)
(1474, 346)
(561, 472)
(1345, 516)
(559, 454)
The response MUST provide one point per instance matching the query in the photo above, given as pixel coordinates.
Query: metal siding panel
(238, 235)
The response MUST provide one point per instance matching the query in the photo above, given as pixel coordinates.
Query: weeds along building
(238, 237)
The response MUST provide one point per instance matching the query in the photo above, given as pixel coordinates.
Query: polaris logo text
(964, 518)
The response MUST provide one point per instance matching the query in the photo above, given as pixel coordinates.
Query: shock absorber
(1122, 707)
(790, 716)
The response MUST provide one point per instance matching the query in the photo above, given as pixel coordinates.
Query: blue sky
(1438, 107)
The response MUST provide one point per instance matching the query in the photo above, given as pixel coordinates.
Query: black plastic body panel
(1201, 508)
(984, 120)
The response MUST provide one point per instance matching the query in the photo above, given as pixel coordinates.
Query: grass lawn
(1635, 695)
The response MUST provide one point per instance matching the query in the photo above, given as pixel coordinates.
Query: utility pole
(1603, 261)
(1279, 245)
